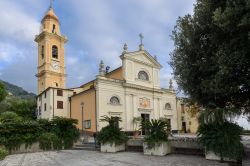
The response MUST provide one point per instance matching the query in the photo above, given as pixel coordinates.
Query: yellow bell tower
(51, 69)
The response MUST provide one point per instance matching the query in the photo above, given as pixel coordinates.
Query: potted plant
(136, 121)
(156, 138)
(220, 137)
(111, 137)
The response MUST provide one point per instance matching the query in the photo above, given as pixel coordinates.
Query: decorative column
(125, 48)
(135, 108)
(160, 108)
(155, 108)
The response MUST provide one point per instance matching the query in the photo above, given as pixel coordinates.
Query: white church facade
(132, 90)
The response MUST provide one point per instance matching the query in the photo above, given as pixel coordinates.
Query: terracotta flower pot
(136, 134)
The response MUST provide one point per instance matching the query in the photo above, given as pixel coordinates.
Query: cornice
(128, 85)
(45, 33)
(51, 73)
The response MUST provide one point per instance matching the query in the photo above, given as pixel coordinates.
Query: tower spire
(51, 4)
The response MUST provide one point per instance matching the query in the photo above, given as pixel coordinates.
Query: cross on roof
(141, 37)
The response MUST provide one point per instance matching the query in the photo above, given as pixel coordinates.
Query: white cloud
(71, 60)
(10, 53)
(242, 121)
(96, 30)
(16, 24)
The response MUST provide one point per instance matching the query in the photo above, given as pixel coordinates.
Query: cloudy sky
(96, 30)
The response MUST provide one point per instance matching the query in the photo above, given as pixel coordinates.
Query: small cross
(141, 37)
(51, 3)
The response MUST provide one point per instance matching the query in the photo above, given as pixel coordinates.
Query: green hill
(18, 91)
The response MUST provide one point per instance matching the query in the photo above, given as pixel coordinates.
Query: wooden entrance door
(145, 117)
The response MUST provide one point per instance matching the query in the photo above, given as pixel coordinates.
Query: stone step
(86, 144)
(87, 148)
(134, 148)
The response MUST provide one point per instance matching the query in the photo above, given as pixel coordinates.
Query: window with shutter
(59, 92)
(59, 104)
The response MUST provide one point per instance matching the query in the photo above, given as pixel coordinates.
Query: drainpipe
(95, 110)
(70, 107)
(53, 104)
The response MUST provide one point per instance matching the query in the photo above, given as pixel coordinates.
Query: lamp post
(82, 104)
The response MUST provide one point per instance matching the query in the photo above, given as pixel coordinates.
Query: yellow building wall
(191, 121)
(194, 124)
(116, 74)
(89, 108)
(87, 86)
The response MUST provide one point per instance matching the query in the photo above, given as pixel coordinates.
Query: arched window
(42, 52)
(114, 100)
(142, 75)
(55, 84)
(167, 106)
(54, 28)
(54, 52)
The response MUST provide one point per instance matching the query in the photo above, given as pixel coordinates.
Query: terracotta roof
(50, 14)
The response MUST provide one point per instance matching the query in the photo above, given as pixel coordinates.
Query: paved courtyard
(92, 158)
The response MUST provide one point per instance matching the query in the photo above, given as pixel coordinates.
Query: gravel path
(93, 158)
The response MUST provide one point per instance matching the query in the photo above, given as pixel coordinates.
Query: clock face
(55, 66)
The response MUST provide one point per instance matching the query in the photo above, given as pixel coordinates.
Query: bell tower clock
(51, 69)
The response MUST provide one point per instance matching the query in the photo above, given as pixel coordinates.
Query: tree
(7, 116)
(211, 59)
(3, 92)
(23, 108)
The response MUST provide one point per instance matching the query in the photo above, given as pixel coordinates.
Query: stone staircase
(87, 146)
(86, 143)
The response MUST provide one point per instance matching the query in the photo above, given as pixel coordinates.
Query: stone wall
(29, 149)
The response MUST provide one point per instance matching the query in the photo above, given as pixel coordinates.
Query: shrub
(65, 129)
(9, 117)
(3, 153)
(13, 134)
(219, 135)
(48, 141)
(156, 131)
(61, 132)
(111, 133)
(45, 125)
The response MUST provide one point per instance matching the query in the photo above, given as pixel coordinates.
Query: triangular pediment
(143, 57)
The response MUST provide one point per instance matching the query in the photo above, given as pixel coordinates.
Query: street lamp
(82, 104)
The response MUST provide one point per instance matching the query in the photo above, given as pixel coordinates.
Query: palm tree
(157, 131)
(111, 133)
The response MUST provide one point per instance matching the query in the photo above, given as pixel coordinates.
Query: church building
(130, 91)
